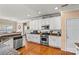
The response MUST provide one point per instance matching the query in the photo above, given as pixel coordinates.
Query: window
(6, 28)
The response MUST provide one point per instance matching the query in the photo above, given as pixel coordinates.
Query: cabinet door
(36, 25)
(57, 41)
(39, 24)
(9, 42)
(32, 24)
(51, 24)
(51, 41)
(57, 22)
(37, 38)
(29, 37)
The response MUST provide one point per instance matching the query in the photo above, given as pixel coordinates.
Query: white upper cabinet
(57, 22)
(45, 21)
(35, 25)
(51, 21)
(54, 23)
(32, 25)
(39, 24)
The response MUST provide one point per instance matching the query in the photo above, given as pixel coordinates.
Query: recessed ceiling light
(28, 15)
(39, 12)
(56, 8)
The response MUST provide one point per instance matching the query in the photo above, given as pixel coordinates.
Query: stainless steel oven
(44, 39)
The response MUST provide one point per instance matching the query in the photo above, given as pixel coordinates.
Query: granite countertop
(4, 37)
(9, 34)
(52, 34)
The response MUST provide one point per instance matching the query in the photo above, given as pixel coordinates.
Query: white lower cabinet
(33, 38)
(51, 41)
(36, 38)
(58, 42)
(55, 41)
(9, 42)
(29, 37)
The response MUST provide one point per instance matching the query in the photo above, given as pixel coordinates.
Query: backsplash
(50, 32)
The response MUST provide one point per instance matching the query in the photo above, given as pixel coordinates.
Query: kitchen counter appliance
(18, 41)
(44, 39)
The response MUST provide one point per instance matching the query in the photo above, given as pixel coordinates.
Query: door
(72, 34)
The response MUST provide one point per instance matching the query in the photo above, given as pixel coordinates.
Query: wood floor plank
(37, 49)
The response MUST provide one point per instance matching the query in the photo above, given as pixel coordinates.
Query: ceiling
(25, 11)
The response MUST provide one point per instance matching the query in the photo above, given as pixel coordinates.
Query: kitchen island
(5, 36)
(9, 34)
(7, 43)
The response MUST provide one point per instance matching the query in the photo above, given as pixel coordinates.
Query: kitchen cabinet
(33, 38)
(9, 42)
(56, 22)
(45, 22)
(36, 38)
(51, 41)
(35, 25)
(29, 37)
(55, 41)
(39, 24)
(31, 24)
(51, 24)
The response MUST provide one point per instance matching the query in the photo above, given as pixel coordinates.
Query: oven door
(44, 41)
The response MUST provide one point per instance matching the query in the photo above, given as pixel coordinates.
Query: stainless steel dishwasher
(17, 42)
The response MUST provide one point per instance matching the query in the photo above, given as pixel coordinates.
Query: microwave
(45, 27)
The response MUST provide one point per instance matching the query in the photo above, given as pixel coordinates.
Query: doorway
(72, 34)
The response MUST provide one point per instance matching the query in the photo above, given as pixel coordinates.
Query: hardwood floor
(37, 49)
